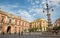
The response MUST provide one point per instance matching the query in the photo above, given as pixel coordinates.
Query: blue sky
(31, 9)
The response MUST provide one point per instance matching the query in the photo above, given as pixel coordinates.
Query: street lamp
(48, 15)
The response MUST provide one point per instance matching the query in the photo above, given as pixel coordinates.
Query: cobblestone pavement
(30, 35)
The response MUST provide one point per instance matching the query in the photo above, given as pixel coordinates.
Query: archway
(8, 29)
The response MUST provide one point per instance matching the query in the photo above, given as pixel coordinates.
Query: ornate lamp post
(48, 15)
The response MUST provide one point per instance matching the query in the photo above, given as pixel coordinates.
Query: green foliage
(25, 30)
(40, 28)
(34, 29)
(56, 28)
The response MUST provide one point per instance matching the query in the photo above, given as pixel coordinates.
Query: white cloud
(34, 2)
(37, 2)
(55, 2)
(25, 14)
(34, 14)
(7, 6)
(37, 10)
(52, 2)
(13, 6)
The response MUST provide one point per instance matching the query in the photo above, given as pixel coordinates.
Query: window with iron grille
(0, 26)
(10, 20)
(40, 24)
(15, 22)
(2, 20)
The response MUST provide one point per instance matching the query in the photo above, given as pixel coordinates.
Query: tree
(56, 28)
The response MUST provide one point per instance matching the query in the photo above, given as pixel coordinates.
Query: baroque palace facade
(41, 24)
(12, 24)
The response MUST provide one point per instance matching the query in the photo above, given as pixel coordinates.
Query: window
(40, 24)
(43, 22)
(0, 26)
(10, 20)
(15, 22)
(19, 22)
(2, 20)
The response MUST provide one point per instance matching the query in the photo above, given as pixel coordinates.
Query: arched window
(15, 22)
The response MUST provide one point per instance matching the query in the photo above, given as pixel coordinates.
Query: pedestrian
(56, 31)
(21, 33)
(3, 33)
